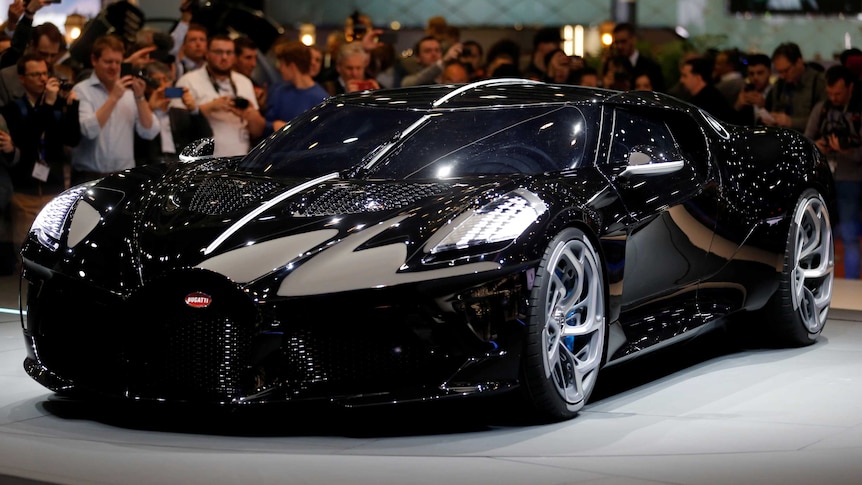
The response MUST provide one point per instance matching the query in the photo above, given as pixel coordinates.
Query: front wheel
(800, 305)
(566, 337)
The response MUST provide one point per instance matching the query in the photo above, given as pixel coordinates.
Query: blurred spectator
(41, 123)
(107, 147)
(727, 74)
(796, 91)
(455, 73)
(20, 26)
(472, 55)
(193, 54)
(299, 93)
(625, 45)
(245, 63)
(586, 76)
(617, 73)
(545, 41)
(835, 125)
(559, 67)
(47, 41)
(316, 63)
(351, 65)
(431, 61)
(503, 54)
(696, 77)
(381, 65)
(751, 101)
(642, 82)
(226, 99)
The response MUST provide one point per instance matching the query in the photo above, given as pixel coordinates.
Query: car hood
(313, 235)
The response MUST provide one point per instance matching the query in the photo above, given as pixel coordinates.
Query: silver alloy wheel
(574, 331)
(814, 261)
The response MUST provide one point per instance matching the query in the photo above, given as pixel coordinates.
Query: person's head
(559, 66)
(471, 54)
(617, 73)
(758, 69)
(351, 62)
(195, 43)
(161, 74)
(586, 76)
(726, 61)
(455, 73)
(107, 57)
(33, 73)
(246, 56)
(428, 51)
(788, 63)
(642, 82)
(220, 55)
(695, 74)
(294, 59)
(47, 40)
(546, 40)
(316, 61)
(624, 39)
(839, 85)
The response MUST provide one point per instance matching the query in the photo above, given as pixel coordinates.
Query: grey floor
(707, 412)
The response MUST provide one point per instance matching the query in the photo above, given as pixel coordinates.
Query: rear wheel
(799, 307)
(566, 337)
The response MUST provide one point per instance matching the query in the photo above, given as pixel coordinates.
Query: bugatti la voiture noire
(429, 242)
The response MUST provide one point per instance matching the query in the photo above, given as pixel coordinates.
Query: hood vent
(352, 199)
(223, 195)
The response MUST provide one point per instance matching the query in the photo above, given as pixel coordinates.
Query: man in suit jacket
(624, 45)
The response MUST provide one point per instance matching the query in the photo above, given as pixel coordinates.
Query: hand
(52, 89)
(834, 143)
(16, 9)
(158, 101)
(822, 145)
(369, 40)
(782, 119)
(222, 103)
(139, 86)
(188, 99)
(140, 57)
(121, 86)
(6, 142)
(36, 5)
(453, 53)
(278, 124)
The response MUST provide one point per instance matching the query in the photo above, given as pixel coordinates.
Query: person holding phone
(351, 65)
(40, 124)
(112, 109)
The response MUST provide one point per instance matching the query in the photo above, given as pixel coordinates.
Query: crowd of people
(143, 102)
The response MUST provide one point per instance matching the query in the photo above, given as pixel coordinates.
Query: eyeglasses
(36, 75)
(221, 53)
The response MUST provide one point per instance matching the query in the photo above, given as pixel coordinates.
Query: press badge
(40, 171)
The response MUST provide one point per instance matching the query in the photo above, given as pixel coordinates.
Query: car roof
(500, 93)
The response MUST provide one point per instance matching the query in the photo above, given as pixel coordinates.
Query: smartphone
(363, 85)
(126, 69)
(172, 92)
(388, 38)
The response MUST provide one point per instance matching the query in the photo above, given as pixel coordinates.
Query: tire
(567, 333)
(799, 307)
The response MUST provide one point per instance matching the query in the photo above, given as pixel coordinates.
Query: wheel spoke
(813, 269)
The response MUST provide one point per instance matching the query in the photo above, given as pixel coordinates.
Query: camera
(240, 103)
(749, 87)
(66, 86)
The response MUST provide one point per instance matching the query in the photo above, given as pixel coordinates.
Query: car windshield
(406, 144)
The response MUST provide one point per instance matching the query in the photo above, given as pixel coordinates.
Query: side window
(638, 131)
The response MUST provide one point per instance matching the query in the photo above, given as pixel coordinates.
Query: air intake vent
(351, 199)
(222, 195)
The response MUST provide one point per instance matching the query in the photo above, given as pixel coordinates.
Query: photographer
(835, 125)
(226, 99)
(40, 123)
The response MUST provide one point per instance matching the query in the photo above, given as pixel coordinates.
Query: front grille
(352, 199)
(209, 355)
(223, 195)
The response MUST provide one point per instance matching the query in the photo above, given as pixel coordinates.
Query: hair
(29, 57)
(837, 73)
(159, 67)
(624, 27)
(504, 47)
(473, 43)
(107, 42)
(426, 39)
(350, 49)
(50, 31)
(294, 52)
(243, 42)
(546, 34)
(221, 37)
(758, 60)
(788, 50)
(193, 27)
(701, 66)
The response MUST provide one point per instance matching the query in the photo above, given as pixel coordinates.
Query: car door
(657, 160)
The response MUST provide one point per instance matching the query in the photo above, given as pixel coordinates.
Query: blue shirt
(108, 148)
(286, 102)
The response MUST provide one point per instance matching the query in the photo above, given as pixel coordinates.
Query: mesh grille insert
(351, 199)
(222, 195)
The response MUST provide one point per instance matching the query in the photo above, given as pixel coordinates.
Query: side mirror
(198, 150)
(649, 160)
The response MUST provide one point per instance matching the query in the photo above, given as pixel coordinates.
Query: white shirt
(229, 130)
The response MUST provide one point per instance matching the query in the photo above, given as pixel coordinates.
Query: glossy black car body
(429, 242)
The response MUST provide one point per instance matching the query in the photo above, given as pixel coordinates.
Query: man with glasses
(46, 41)
(797, 90)
(226, 98)
(41, 123)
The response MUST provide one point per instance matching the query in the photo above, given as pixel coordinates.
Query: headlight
(49, 224)
(502, 220)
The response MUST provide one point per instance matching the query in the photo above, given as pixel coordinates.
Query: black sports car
(429, 242)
